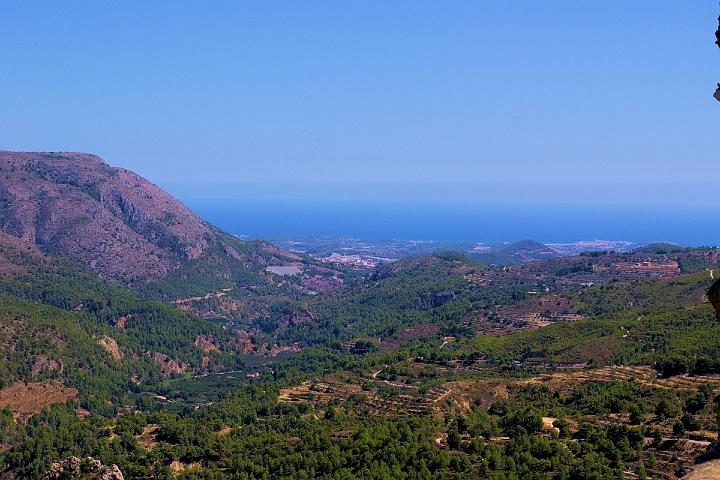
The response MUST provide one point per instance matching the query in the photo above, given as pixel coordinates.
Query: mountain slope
(112, 220)
(128, 230)
(60, 322)
(517, 252)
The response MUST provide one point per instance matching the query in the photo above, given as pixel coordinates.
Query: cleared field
(26, 399)
(146, 438)
(705, 471)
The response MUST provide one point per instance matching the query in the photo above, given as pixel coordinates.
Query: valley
(235, 358)
(359, 241)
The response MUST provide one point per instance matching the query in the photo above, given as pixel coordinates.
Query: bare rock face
(112, 347)
(204, 344)
(169, 366)
(83, 469)
(109, 219)
(43, 363)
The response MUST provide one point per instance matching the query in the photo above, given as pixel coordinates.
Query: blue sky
(570, 101)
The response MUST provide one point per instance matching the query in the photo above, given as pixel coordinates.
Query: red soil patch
(26, 399)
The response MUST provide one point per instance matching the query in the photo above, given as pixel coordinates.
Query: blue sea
(684, 225)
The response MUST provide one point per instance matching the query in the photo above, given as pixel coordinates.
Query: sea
(566, 223)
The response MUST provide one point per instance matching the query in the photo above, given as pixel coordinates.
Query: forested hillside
(61, 322)
(433, 367)
(245, 361)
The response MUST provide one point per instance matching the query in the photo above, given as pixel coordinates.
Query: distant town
(365, 254)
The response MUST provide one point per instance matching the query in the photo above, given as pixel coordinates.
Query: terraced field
(324, 391)
(401, 400)
(406, 404)
(644, 376)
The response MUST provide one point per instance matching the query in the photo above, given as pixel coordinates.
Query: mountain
(129, 231)
(86, 250)
(660, 248)
(434, 366)
(429, 365)
(110, 219)
(517, 252)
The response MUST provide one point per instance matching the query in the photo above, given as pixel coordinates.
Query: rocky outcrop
(204, 344)
(43, 364)
(437, 299)
(112, 347)
(168, 366)
(86, 468)
(298, 317)
(120, 321)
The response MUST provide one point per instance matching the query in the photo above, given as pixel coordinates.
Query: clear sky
(604, 101)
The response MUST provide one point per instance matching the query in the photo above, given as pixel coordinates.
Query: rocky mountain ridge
(126, 229)
(109, 219)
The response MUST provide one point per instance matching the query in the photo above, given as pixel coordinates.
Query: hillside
(432, 367)
(235, 359)
(660, 247)
(60, 322)
(517, 252)
(450, 292)
(110, 219)
(129, 231)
